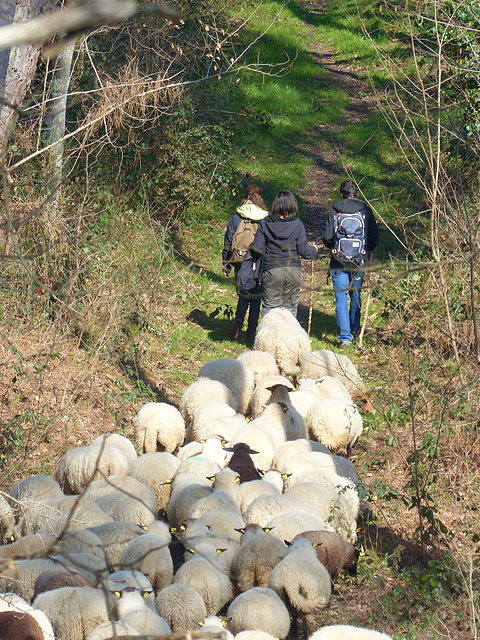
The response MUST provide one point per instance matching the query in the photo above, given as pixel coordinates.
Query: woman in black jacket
(282, 241)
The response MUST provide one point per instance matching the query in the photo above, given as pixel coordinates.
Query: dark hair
(253, 194)
(285, 205)
(349, 189)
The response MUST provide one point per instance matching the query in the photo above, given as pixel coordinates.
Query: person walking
(240, 233)
(351, 234)
(282, 241)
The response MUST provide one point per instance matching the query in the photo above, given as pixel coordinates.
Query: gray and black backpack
(349, 238)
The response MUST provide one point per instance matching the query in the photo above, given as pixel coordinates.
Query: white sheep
(295, 426)
(330, 387)
(156, 470)
(253, 489)
(343, 486)
(7, 522)
(261, 440)
(119, 580)
(123, 443)
(333, 506)
(181, 606)
(303, 398)
(225, 523)
(288, 525)
(159, 427)
(19, 577)
(259, 608)
(199, 465)
(73, 611)
(254, 635)
(132, 609)
(201, 392)
(301, 463)
(13, 602)
(277, 316)
(214, 627)
(288, 343)
(187, 488)
(115, 536)
(80, 541)
(347, 632)
(292, 447)
(34, 544)
(258, 554)
(81, 465)
(260, 363)
(333, 552)
(203, 414)
(301, 580)
(150, 554)
(194, 531)
(123, 483)
(129, 508)
(225, 494)
(235, 375)
(338, 365)
(90, 565)
(112, 629)
(212, 448)
(25, 493)
(205, 573)
(223, 426)
(336, 423)
(262, 393)
(266, 507)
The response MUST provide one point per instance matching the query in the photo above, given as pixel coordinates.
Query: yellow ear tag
(267, 530)
(201, 624)
(314, 545)
(173, 529)
(237, 480)
(118, 594)
(224, 623)
(145, 527)
(183, 527)
(220, 551)
(191, 550)
(146, 594)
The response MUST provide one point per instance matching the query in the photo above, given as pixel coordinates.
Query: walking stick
(310, 310)
(367, 304)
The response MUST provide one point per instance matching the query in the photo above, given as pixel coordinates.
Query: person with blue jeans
(348, 278)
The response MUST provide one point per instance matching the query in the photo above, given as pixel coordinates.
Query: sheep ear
(237, 479)
(288, 543)
(240, 530)
(211, 478)
(262, 472)
(224, 623)
(144, 527)
(268, 529)
(229, 449)
(201, 624)
(191, 551)
(220, 551)
(286, 475)
(117, 593)
(145, 594)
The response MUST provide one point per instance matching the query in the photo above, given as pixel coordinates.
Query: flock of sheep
(239, 505)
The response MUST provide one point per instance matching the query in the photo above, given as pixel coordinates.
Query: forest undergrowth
(129, 301)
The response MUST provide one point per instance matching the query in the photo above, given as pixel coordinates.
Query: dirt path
(327, 144)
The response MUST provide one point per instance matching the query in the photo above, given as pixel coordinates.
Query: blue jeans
(347, 287)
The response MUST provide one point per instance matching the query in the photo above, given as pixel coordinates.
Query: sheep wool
(225, 495)
(205, 573)
(336, 423)
(7, 522)
(346, 632)
(112, 629)
(203, 414)
(73, 611)
(123, 443)
(262, 393)
(159, 427)
(149, 554)
(301, 581)
(203, 391)
(181, 606)
(225, 523)
(156, 470)
(21, 576)
(59, 577)
(132, 609)
(258, 554)
(261, 609)
(288, 525)
(223, 426)
(214, 627)
(277, 316)
(235, 375)
(30, 490)
(119, 580)
(124, 483)
(129, 508)
(260, 363)
(254, 635)
(288, 348)
(115, 536)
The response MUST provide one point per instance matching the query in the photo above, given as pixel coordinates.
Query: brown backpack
(242, 239)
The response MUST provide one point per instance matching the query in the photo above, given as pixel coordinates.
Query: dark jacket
(350, 205)
(282, 242)
(248, 211)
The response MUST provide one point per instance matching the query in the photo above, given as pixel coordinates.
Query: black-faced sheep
(242, 463)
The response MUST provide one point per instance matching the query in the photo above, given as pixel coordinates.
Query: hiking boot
(235, 330)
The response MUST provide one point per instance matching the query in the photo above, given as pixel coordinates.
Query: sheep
(123, 443)
(211, 448)
(115, 536)
(259, 608)
(201, 392)
(159, 427)
(7, 522)
(112, 629)
(334, 508)
(81, 465)
(20, 576)
(266, 507)
(301, 463)
(258, 554)
(301, 580)
(214, 627)
(336, 423)
(73, 611)
(289, 346)
(129, 508)
(11, 602)
(292, 447)
(225, 495)
(235, 375)
(89, 564)
(79, 541)
(330, 387)
(338, 365)
(28, 492)
(333, 552)
(200, 465)
(262, 394)
(203, 414)
(224, 426)
(261, 364)
(126, 484)
(156, 470)
(187, 489)
(205, 573)
(132, 609)
(150, 555)
(242, 463)
(347, 632)
(224, 523)
(59, 577)
(194, 531)
(303, 398)
(295, 426)
(277, 316)
(181, 606)
(263, 441)
(287, 525)
(343, 486)
(35, 544)
(119, 580)
(19, 626)
(254, 635)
